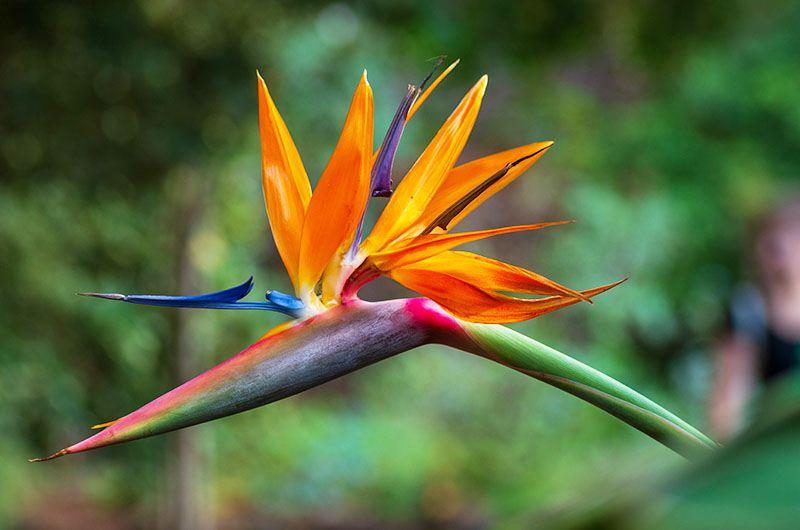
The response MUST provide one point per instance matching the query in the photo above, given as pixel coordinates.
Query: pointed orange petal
(429, 90)
(464, 179)
(286, 188)
(470, 303)
(492, 275)
(423, 179)
(341, 195)
(428, 245)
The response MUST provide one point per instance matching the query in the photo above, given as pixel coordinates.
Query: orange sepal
(341, 195)
(461, 180)
(425, 246)
(492, 275)
(284, 180)
(421, 182)
(472, 304)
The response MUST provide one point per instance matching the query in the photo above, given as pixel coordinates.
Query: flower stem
(530, 357)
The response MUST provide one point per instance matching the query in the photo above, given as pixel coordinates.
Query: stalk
(541, 362)
(356, 334)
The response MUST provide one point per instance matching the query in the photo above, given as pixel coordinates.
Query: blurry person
(763, 340)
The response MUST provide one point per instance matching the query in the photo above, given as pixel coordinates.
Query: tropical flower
(319, 238)
(318, 235)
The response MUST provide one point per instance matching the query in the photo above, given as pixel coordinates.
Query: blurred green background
(129, 162)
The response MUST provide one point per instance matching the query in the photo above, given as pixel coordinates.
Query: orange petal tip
(482, 82)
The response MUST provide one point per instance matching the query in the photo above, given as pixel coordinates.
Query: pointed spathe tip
(51, 457)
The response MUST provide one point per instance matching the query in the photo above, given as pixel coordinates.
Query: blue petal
(226, 299)
(228, 295)
(381, 179)
(285, 300)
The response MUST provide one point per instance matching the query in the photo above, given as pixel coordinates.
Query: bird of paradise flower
(332, 332)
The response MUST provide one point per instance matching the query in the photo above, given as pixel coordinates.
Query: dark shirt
(777, 355)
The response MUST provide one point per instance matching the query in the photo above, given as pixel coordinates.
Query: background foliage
(130, 163)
